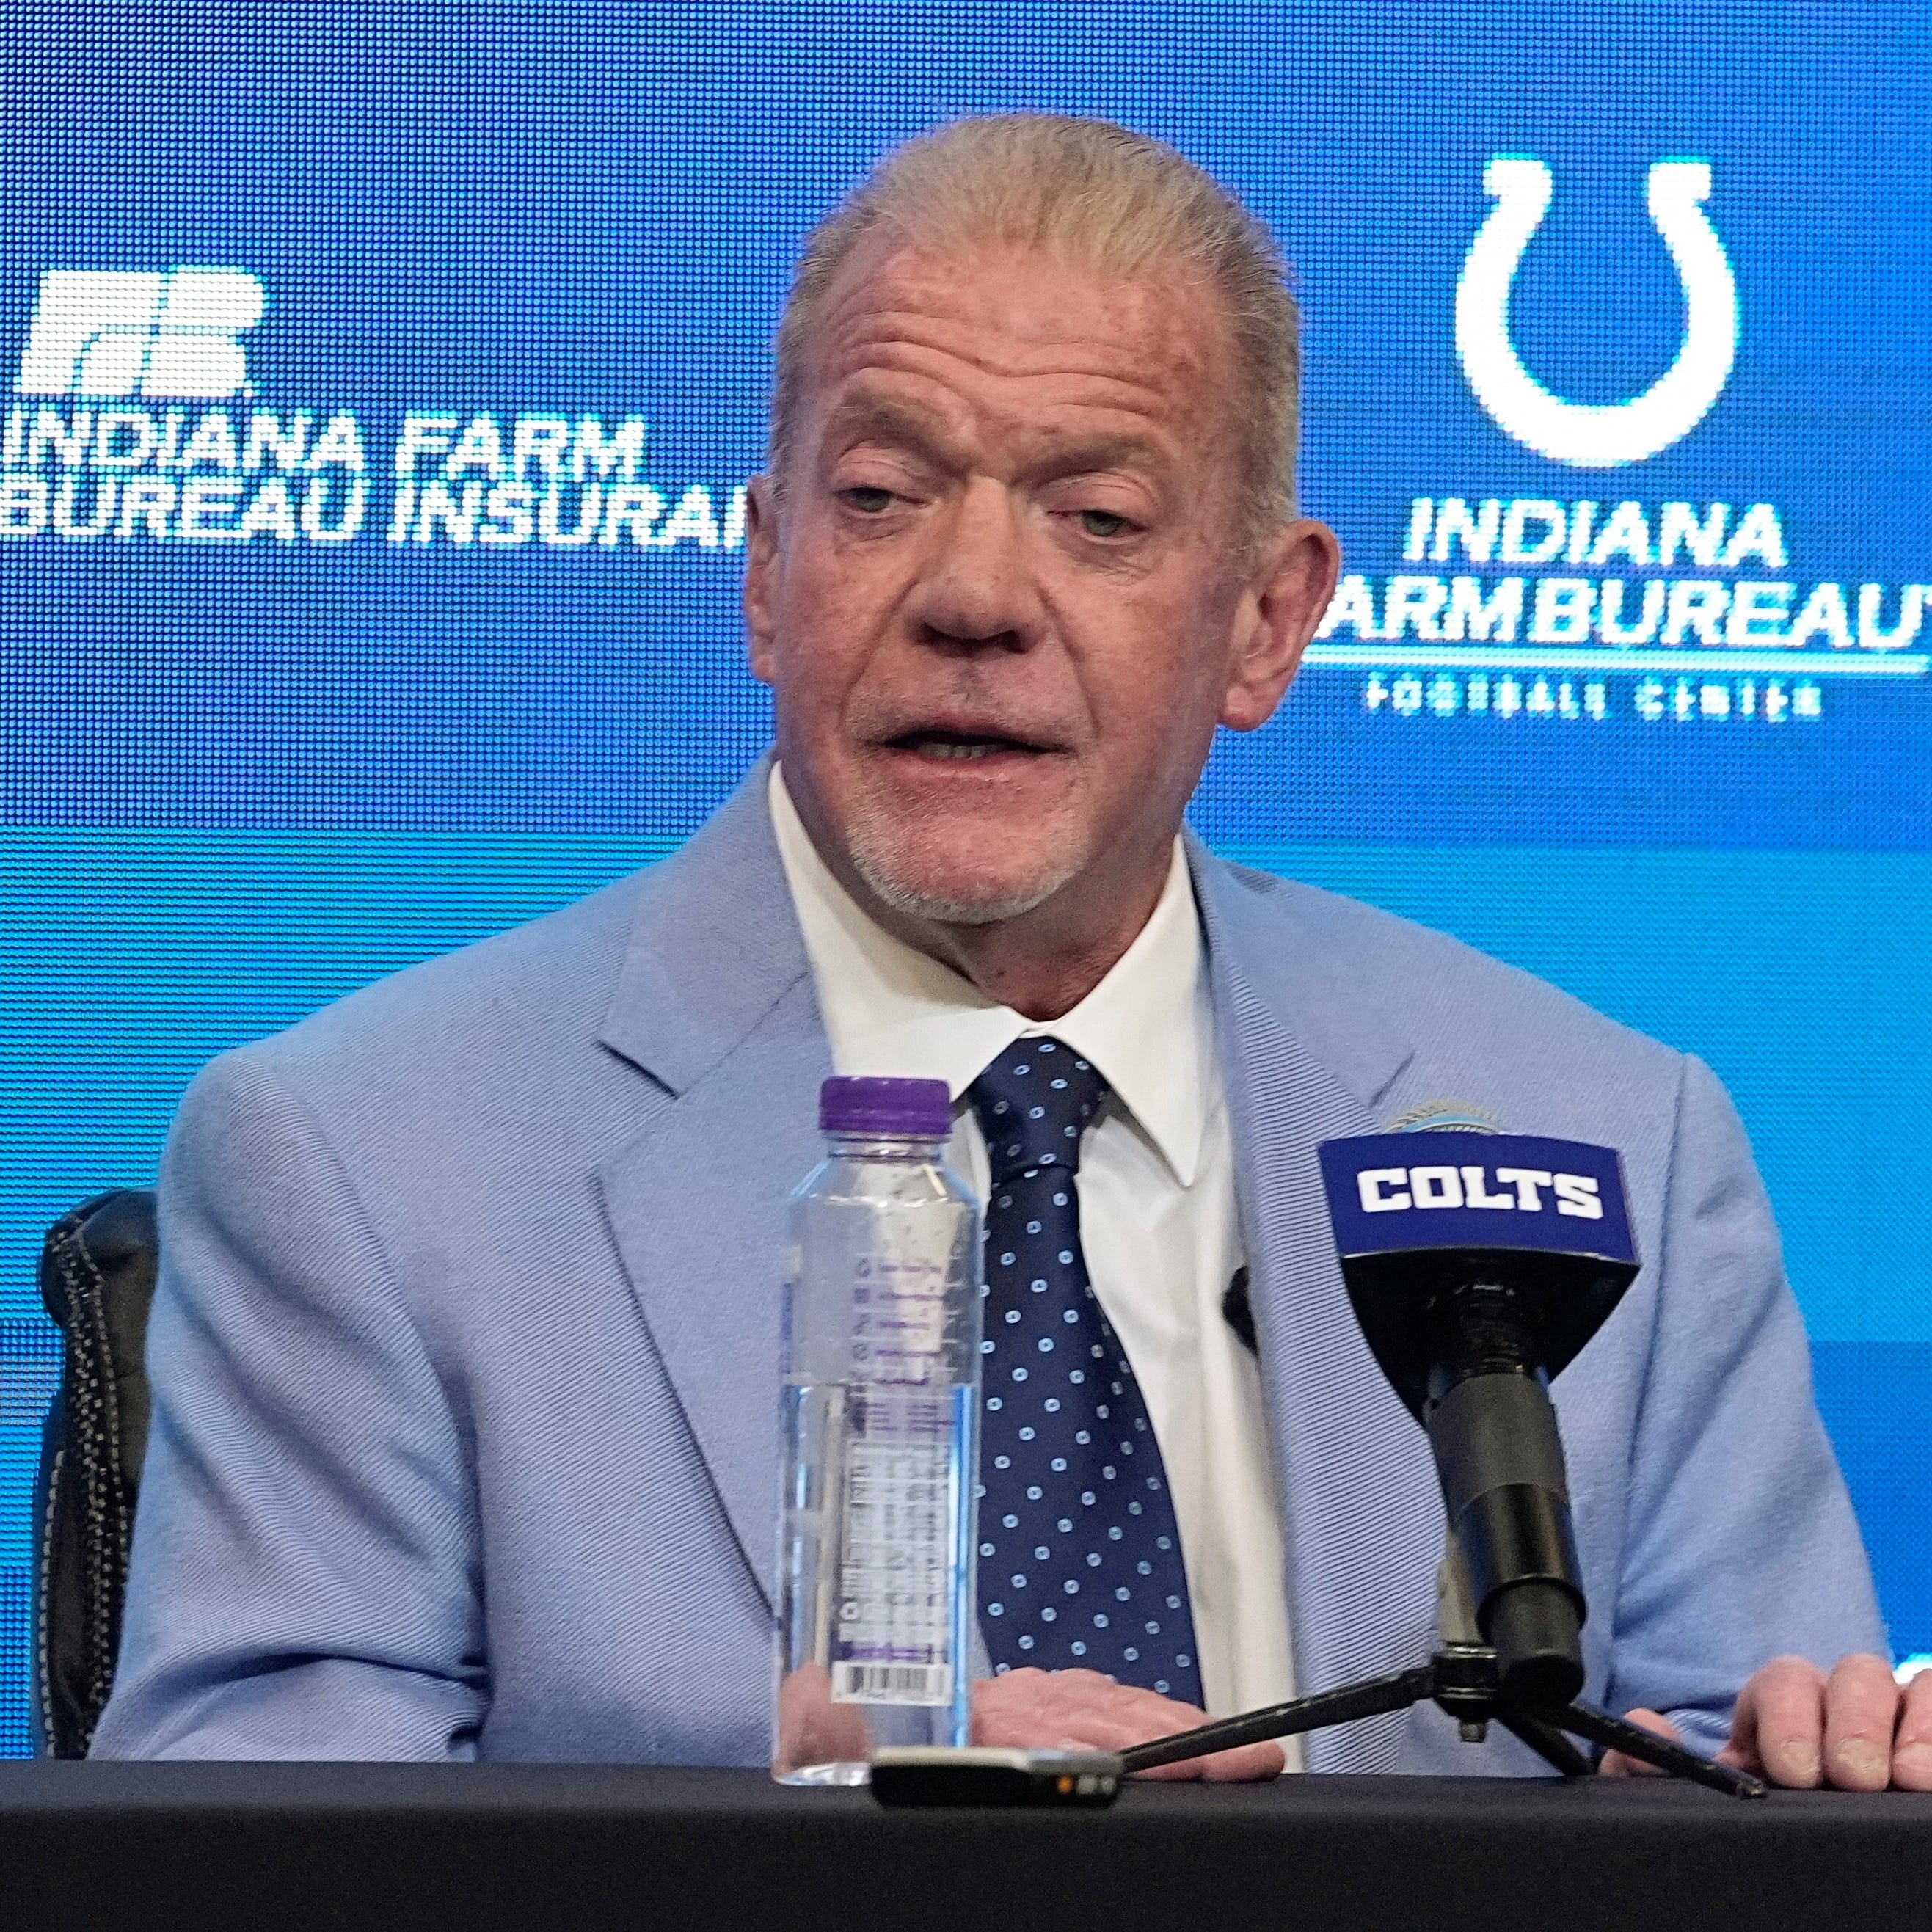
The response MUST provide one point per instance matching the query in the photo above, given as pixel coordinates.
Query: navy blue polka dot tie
(1080, 1562)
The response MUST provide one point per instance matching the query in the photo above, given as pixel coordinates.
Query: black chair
(98, 1280)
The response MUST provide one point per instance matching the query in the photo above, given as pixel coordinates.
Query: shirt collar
(888, 1009)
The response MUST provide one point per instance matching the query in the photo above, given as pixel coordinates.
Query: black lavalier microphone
(1478, 1264)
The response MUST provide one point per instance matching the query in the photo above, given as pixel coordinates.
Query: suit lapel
(716, 1003)
(1304, 1058)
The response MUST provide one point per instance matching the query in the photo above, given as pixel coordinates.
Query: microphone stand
(1465, 1679)
(1469, 1328)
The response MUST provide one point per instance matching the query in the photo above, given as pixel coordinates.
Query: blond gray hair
(1104, 200)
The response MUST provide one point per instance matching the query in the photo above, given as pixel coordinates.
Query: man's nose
(976, 590)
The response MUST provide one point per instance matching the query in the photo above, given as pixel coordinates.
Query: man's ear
(761, 550)
(1294, 577)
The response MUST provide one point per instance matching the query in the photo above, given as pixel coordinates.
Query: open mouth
(964, 746)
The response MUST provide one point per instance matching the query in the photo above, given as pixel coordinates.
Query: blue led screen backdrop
(379, 387)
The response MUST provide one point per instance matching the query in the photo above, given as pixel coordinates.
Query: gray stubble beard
(871, 858)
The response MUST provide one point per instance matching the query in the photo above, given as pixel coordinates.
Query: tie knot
(1033, 1102)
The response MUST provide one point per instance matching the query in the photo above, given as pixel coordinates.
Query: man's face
(1003, 603)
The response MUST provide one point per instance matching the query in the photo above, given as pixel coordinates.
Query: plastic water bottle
(880, 1430)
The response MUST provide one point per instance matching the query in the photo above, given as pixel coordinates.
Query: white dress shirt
(1157, 1218)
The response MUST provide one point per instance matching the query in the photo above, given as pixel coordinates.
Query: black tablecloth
(196, 1847)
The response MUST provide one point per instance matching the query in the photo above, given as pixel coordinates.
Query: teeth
(932, 748)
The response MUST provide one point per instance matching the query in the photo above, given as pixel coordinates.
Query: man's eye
(1104, 523)
(867, 498)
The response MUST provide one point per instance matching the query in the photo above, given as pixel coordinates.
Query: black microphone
(1478, 1264)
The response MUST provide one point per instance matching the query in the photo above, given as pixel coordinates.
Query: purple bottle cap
(847, 1105)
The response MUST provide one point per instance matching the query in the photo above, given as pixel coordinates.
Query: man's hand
(1856, 1729)
(1053, 1710)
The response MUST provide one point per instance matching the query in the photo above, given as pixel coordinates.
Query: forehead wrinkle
(865, 412)
(899, 303)
(956, 368)
(1040, 444)
(948, 400)
(917, 341)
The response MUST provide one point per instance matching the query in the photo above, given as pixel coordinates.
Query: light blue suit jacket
(464, 1351)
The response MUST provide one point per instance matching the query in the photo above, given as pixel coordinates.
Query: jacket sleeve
(1740, 1542)
(305, 1576)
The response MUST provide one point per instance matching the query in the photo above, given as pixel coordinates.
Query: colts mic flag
(1478, 1265)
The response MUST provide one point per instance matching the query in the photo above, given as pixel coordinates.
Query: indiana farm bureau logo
(135, 422)
(103, 333)
(1566, 606)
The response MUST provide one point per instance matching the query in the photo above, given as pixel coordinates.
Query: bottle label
(892, 1684)
(898, 1317)
(892, 1643)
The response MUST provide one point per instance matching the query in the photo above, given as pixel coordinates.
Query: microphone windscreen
(1417, 1217)
(1401, 1193)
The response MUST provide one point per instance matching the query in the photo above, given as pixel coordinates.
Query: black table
(198, 1847)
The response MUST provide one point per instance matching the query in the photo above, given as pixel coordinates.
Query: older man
(465, 1347)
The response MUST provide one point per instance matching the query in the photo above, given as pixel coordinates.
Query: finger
(1136, 1717)
(1617, 1764)
(1158, 1716)
(1023, 1708)
(1030, 1708)
(1038, 1709)
(1026, 1729)
(1778, 1727)
(1243, 1764)
(1861, 1714)
(1092, 1693)
(1030, 1682)
(1250, 1764)
(1912, 1752)
(811, 1728)
(1083, 1709)
(1116, 1717)
(1164, 1716)
(1033, 1701)
(1099, 1732)
(1147, 1713)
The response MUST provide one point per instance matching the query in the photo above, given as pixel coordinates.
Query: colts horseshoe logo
(1593, 436)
